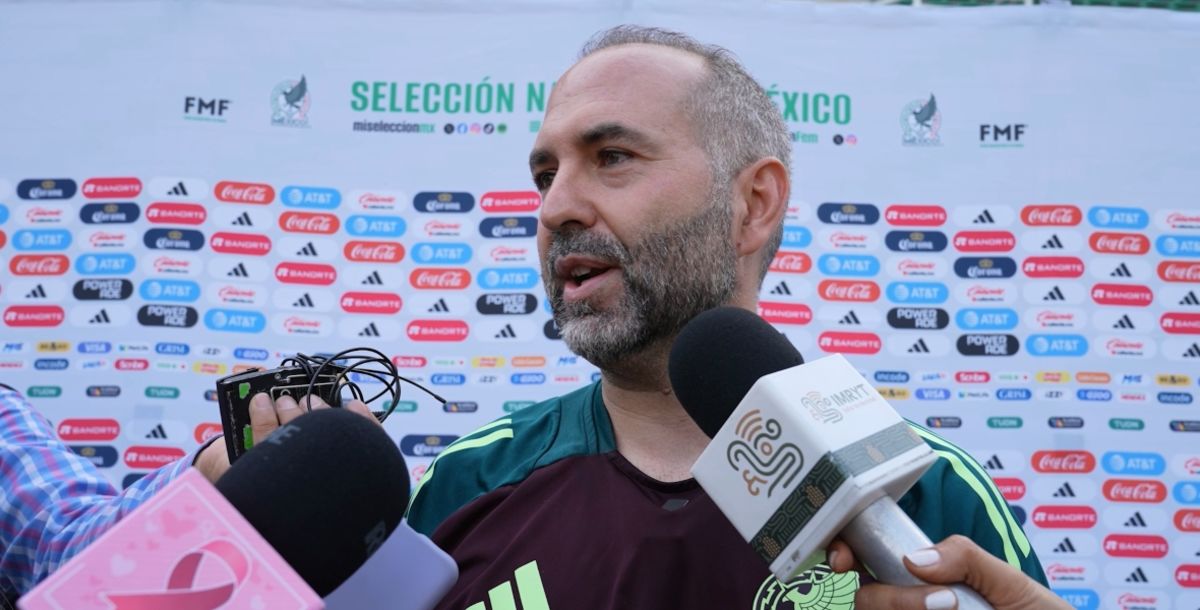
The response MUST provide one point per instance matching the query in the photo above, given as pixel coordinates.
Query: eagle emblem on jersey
(816, 589)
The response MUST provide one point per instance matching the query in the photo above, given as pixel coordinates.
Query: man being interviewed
(664, 173)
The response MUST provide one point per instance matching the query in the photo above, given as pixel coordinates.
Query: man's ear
(764, 188)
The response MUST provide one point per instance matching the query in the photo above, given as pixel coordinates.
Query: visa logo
(173, 291)
(1057, 345)
(507, 278)
(361, 225)
(933, 394)
(1118, 218)
(94, 347)
(848, 265)
(986, 319)
(1133, 463)
(918, 293)
(1093, 395)
(796, 237)
(1013, 394)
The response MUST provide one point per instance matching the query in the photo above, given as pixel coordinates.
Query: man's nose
(567, 201)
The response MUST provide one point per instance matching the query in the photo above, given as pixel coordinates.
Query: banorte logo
(373, 251)
(510, 202)
(39, 264)
(244, 192)
(1128, 545)
(1012, 489)
(240, 243)
(1064, 517)
(849, 343)
(1188, 575)
(88, 430)
(1128, 295)
(309, 222)
(984, 241)
(1179, 271)
(791, 262)
(1134, 490)
(151, 457)
(915, 215)
(437, 330)
(785, 313)
(371, 302)
(176, 213)
(849, 291)
(1051, 215)
(1187, 520)
(1052, 267)
(1180, 323)
(312, 274)
(440, 279)
(1119, 243)
(112, 188)
(35, 316)
(1065, 462)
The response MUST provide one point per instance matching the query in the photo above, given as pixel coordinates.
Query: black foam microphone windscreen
(718, 356)
(325, 491)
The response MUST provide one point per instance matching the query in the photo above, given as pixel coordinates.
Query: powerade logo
(528, 378)
(171, 316)
(506, 304)
(849, 265)
(918, 293)
(115, 289)
(375, 226)
(916, 241)
(1118, 218)
(988, 345)
(985, 268)
(51, 364)
(172, 349)
(173, 239)
(848, 213)
(1133, 463)
(1014, 394)
(891, 377)
(425, 445)
(448, 379)
(927, 318)
(94, 347)
(250, 353)
(984, 319)
(441, 254)
(514, 226)
(796, 237)
(315, 197)
(233, 320)
(1178, 245)
(507, 278)
(174, 291)
(932, 394)
(105, 264)
(1175, 398)
(445, 202)
(109, 213)
(41, 240)
(1094, 395)
(1081, 599)
(1057, 345)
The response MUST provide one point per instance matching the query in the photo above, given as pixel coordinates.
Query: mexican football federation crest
(921, 121)
(816, 589)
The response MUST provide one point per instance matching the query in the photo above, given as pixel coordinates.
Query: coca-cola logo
(984, 241)
(1187, 520)
(1180, 323)
(88, 429)
(112, 188)
(1052, 266)
(791, 262)
(851, 291)
(176, 213)
(440, 279)
(437, 330)
(1068, 462)
(510, 202)
(244, 192)
(1177, 271)
(915, 215)
(316, 274)
(1060, 517)
(151, 457)
(849, 343)
(1130, 295)
(371, 302)
(309, 222)
(205, 431)
(39, 264)
(374, 251)
(1119, 243)
(1130, 490)
(785, 313)
(1051, 215)
(240, 243)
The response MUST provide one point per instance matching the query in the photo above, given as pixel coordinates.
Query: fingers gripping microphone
(800, 452)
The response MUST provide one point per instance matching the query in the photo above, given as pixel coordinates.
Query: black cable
(352, 361)
(8, 387)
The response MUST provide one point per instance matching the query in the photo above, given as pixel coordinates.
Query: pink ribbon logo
(180, 594)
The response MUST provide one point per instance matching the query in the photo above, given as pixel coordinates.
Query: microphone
(799, 452)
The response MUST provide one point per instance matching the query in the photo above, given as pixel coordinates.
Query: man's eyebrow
(613, 131)
(539, 156)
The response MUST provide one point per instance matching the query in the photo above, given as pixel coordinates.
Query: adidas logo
(919, 347)
(100, 318)
(984, 218)
(239, 270)
(243, 220)
(179, 190)
(37, 293)
(1137, 576)
(850, 318)
(1124, 322)
(1065, 546)
(529, 591)
(304, 301)
(1190, 299)
(1135, 521)
(781, 289)
(157, 432)
(1055, 294)
(1121, 271)
(308, 250)
(993, 463)
(507, 332)
(1193, 351)
(369, 331)
(439, 307)
(1064, 492)
(1054, 243)
(373, 279)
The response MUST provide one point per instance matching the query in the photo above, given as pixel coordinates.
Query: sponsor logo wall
(1042, 314)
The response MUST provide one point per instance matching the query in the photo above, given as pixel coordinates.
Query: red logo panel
(1119, 243)
(39, 264)
(984, 241)
(1130, 490)
(1064, 517)
(1130, 295)
(371, 302)
(849, 343)
(852, 291)
(240, 243)
(176, 213)
(1178, 271)
(915, 215)
(205, 431)
(88, 430)
(131, 364)
(785, 313)
(508, 202)
(1187, 520)
(1180, 323)
(409, 362)
(1051, 215)
(972, 377)
(34, 315)
(1068, 462)
(1052, 266)
(309, 222)
(1124, 545)
(791, 262)
(313, 274)
(140, 456)
(112, 188)
(244, 192)
(1012, 489)
(374, 251)
(440, 279)
(437, 330)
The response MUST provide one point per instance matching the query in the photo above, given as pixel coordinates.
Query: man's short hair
(736, 121)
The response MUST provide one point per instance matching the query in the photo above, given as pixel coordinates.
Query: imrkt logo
(758, 459)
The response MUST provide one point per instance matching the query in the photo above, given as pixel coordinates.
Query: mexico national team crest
(816, 589)
(290, 103)
(921, 121)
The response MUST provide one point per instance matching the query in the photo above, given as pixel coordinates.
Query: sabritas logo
(39, 264)
(1132, 490)
(1060, 517)
(437, 330)
(1130, 295)
(972, 377)
(1052, 266)
(1119, 243)
(915, 215)
(849, 343)
(1011, 488)
(984, 241)
(1051, 215)
(371, 302)
(410, 362)
(315, 274)
(1187, 520)
(34, 316)
(151, 457)
(509, 202)
(373, 251)
(1178, 271)
(112, 188)
(851, 291)
(1180, 323)
(309, 222)
(440, 279)
(1068, 462)
(1126, 545)
(791, 262)
(88, 430)
(244, 192)
(785, 313)
(240, 243)
(131, 364)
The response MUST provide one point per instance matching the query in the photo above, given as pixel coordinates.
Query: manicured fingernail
(832, 558)
(940, 600)
(924, 557)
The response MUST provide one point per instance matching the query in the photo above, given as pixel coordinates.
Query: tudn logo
(758, 460)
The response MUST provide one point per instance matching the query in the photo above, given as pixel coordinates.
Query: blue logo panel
(1178, 245)
(1057, 345)
(41, 240)
(105, 264)
(251, 353)
(1187, 492)
(1118, 218)
(1081, 599)
(891, 376)
(1014, 394)
(985, 319)
(448, 379)
(918, 293)
(361, 225)
(171, 291)
(172, 349)
(235, 320)
(1133, 463)
(1094, 395)
(507, 278)
(933, 394)
(793, 236)
(848, 265)
(315, 197)
(433, 253)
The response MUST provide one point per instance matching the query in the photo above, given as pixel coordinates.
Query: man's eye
(612, 157)
(542, 180)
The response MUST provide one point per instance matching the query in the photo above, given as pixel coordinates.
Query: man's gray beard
(670, 277)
